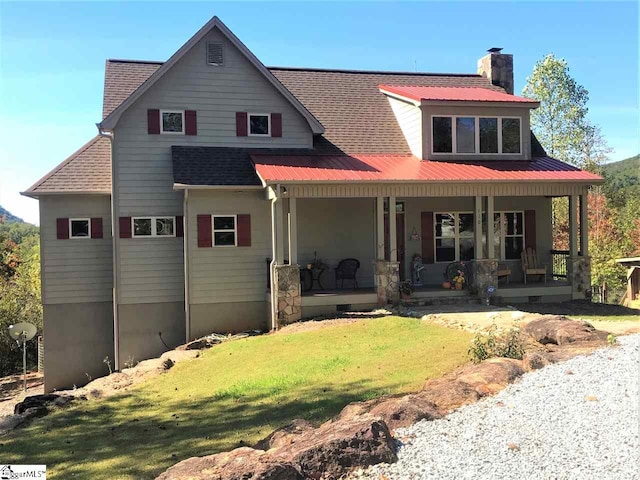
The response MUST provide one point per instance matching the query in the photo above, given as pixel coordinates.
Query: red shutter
(244, 230)
(530, 229)
(204, 231)
(191, 125)
(276, 124)
(428, 245)
(62, 228)
(96, 228)
(179, 226)
(153, 121)
(241, 124)
(125, 227)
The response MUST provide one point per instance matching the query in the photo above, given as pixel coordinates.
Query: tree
(560, 122)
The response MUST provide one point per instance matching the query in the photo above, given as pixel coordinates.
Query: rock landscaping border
(361, 435)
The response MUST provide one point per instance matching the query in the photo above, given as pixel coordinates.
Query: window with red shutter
(276, 124)
(125, 227)
(96, 228)
(153, 121)
(426, 230)
(204, 231)
(62, 228)
(244, 230)
(241, 124)
(191, 127)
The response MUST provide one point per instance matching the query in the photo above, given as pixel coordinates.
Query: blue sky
(52, 57)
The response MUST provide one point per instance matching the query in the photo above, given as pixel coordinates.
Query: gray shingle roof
(356, 116)
(88, 170)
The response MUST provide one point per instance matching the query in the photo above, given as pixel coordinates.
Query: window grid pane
(79, 228)
(466, 134)
(164, 226)
(142, 227)
(510, 135)
(488, 135)
(442, 136)
(172, 122)
(259, 124)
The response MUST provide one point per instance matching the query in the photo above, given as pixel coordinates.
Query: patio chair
(531, 265)
(346, 270)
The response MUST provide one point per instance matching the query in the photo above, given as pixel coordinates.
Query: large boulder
(492, 375)
(240, 464)
(284, 435)
(560, 330)
(400, 412)
(39, 404)
(340, 445)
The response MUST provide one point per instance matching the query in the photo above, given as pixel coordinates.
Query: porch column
(490, 231)
(380, 228)
(393, 251)
(584, 225)
(578, 267)
(279, 237)
(477, 228)
(573, 226)
(293, 232)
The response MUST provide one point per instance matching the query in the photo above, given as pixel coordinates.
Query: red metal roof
(407, 168)
(461, 94)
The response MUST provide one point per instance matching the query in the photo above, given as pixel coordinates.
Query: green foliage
(622, 181)
(235, 394)
(491, 343)
(560, 123)
(20, 299)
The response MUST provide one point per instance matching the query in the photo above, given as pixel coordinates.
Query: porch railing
(559, 263)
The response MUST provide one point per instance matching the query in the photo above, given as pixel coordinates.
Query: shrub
(493, 344)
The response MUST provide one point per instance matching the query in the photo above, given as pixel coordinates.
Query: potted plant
(406, 289)
(458, 280)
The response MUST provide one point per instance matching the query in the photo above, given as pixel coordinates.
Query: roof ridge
(126, 60)
(63, 164)
(379, 72)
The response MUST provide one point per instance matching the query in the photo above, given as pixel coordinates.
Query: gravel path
(573, 420)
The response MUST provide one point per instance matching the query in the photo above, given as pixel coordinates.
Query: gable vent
(214, 54)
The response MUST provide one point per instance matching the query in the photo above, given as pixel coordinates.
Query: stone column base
(484, 274)
(288, 296)
(579, 275)
(387, 279)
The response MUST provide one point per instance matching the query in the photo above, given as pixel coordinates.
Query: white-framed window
(259, 124)
(470, 135)
(225, 230)
(142, 227)
(454, 238)
(508, 235)
(172, 122)
(79, 228)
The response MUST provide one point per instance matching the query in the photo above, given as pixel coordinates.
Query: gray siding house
(215, 182)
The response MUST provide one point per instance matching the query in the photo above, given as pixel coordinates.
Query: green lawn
(235, 394)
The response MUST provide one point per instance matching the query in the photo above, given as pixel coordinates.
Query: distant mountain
(8, 217)
(622, 179)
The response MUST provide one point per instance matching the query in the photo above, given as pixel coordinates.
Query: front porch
(317, 233)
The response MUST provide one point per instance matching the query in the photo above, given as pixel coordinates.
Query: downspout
(185, 248)
(114, 262)
(272, 267)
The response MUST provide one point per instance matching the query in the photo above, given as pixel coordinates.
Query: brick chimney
(498, 68)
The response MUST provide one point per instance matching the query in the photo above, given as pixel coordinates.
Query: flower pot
(458, 286)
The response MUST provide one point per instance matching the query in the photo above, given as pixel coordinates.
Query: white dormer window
(259, 124)
(464, 135)
(172, 122)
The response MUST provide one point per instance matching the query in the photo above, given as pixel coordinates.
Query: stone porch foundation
(288, 294)
(387, 279)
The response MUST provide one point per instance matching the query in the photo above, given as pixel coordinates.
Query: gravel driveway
(573, 420)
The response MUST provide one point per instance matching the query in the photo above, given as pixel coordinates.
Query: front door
(400, 237)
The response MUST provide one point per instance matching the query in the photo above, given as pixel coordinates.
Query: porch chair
(531, 265)
(346, 270)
